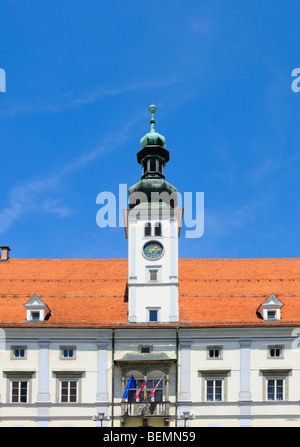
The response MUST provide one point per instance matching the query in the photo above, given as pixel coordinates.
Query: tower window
(157, 229)
(152, 165)
(153, 315)
(153, 275)
(148, 229)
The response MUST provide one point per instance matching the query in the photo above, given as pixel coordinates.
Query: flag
(156, 386)
(131, 384)
(140, 390)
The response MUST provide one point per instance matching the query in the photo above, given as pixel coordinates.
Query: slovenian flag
(140, 390)
(131, 384)
(156, 386)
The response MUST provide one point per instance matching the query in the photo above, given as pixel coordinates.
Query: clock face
(153, 250)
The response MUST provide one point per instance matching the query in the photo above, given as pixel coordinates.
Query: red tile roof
(89, 292)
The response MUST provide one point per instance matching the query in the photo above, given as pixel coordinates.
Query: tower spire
(153, 157)
(152, 109)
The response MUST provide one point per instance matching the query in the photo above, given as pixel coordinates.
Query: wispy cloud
(71, 100)
(271, 166)
(227, 221)
(37, 194)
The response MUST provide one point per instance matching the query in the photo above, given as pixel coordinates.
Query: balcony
(145, 409)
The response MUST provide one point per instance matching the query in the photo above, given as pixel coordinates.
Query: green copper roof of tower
(153, 156)
(153, 138)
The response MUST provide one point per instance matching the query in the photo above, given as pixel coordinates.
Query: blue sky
(79, 79)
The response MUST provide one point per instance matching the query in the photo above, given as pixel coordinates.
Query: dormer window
(35, 315)
(270, 310)
(36, 310)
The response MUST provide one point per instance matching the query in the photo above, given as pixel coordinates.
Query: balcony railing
(145, 409)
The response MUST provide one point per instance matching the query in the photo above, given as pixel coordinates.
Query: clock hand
(154, 249)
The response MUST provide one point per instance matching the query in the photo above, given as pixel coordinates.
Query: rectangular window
(271, 314)
(153, 315)
(275, 389)
(67, 352)
(214, 353)
(18, 352)
(214, 390)
(275, 352)
(68, 391)
(35, 315)
(19, 391)
(153, 275)
(145, 349)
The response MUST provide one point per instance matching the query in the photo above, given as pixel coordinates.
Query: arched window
(157, 229)
(148, 229)
(152, 165)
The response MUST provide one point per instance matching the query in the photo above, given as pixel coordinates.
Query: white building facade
(203, 343)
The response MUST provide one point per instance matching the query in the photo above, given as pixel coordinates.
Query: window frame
(272, 312)
(214, 348)
(37, 313)
(68, 348)
(275, 379)
(150, 347)
(68, 376)
(153, 309)
(18, 347)
(68, 381)
(214, 380)
(18, 376)
(275, 347)
(19, 381)
(270, 374)
(214, 374)
(151, 268)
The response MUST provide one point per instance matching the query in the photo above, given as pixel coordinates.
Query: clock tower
(152, 227)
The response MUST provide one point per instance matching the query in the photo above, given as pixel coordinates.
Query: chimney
(4, 253)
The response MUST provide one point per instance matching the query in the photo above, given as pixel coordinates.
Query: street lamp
(187, 415)
(100, 417)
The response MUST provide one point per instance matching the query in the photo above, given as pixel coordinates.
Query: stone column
(245, 393)
(102, 400)
(184, 371)
(184, 399)
(43, 396)
(102, 380)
